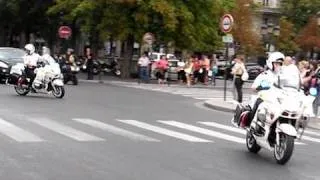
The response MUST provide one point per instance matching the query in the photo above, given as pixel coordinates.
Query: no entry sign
(65, 32)
(226, 23)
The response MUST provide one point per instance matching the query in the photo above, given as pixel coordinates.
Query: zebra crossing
(195, 93)
(152, 131)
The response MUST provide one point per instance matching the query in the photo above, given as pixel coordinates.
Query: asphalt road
(110, 132)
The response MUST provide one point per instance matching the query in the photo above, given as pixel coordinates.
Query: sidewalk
(227, 106)
(109, 79)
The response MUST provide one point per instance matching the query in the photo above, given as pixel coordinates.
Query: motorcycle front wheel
(283, 152)
(58, 92)
(21, 91)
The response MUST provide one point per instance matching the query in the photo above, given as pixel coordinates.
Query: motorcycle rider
(46, 56)
(270, 77)
(30, 62)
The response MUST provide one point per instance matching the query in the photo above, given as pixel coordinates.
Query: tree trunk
(118, 48)
(127, 58)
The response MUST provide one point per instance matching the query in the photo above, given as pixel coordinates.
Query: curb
(91, 81)
(218, 108)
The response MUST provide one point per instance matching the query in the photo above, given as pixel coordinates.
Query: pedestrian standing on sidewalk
(206, 68)
(214, 69)
(89, 63)
(162, 66)
(180, 71)
(238, 70)
(188, 70)
(143, 65)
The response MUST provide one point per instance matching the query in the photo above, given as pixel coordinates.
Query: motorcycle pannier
(240, 110)
(13, 78)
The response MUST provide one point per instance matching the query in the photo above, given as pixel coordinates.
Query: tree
(191, 25)
(299, 11)
(244, 32)
(309, 36)
(286, 41)
(24, 17)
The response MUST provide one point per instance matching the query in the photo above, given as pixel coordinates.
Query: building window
(265, 20)
(266, 2)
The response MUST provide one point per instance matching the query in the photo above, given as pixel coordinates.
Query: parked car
(254, 70)
(9, 57)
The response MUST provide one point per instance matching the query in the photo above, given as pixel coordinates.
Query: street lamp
(269, 31)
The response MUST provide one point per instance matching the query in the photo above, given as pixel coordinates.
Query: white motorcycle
(279, 120)
(49, 80)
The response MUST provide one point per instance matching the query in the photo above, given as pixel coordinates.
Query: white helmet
(45, 50)
(30, 48)
(274, 57)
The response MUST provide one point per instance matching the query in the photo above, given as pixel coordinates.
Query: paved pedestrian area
(192, 92)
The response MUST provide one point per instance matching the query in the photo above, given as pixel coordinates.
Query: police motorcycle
(279, 120)
(48, 80)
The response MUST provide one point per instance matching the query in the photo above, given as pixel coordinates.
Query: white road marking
(204, 131)
(115, 130)
(64, 130)
(17, 133)
(164, 131)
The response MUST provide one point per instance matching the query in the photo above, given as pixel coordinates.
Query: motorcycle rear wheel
(251, 143)
(21, 91)
(283, 153)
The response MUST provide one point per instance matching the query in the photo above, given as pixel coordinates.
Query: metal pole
(100, 74)
(225, 73)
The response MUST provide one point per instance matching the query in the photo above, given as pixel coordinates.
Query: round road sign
(226, 23)
(65, 32)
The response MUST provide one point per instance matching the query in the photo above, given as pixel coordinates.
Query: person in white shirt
(143, 64)
(30, 62)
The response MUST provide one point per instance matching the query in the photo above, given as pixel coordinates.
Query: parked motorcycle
(111, 67)
(49, 80)
(279, 120)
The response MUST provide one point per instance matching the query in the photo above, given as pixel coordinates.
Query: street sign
(226, 23)
(65, 32)
(148, 38)
(227, 39)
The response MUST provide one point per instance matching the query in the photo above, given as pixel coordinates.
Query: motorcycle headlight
(3, 65)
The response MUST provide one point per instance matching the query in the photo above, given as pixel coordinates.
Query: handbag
(245, 75)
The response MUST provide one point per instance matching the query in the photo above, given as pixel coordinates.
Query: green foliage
(192, 25)
(299, 11)
(286, 41)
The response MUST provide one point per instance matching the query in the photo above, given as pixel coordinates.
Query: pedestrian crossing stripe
(202, 131)
(164, 131)
(17, 133)
(64, 130)
(115, 130)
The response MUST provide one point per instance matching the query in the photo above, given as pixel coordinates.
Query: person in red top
(162, 67)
